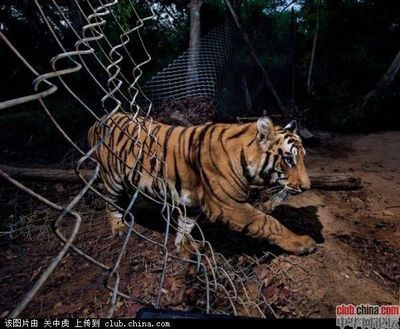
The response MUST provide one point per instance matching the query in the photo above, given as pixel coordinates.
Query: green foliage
(357, 42)
(165, 35)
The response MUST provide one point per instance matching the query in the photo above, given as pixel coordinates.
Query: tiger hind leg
(113, 192)
(115, 219)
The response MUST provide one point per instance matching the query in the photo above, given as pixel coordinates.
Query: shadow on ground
(303, 220)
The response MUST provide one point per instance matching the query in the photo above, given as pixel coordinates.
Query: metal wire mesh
(223, 71)
(216, 277)
(177, 81)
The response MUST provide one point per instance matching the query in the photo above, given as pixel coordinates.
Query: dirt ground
(357, 260)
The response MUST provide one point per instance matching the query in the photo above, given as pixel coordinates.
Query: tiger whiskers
(277, 194)
(281, 195)
(274, 189)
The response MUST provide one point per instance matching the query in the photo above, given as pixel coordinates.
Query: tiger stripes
(211, 168)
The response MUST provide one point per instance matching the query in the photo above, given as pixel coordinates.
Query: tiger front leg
(287, 240)
(247, 219)
(185, 246)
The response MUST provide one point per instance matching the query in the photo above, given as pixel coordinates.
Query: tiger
(212, 168)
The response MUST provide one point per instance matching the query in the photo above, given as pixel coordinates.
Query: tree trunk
(386, 80)
(194, 42)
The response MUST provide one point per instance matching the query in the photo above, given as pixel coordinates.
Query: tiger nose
(305, 184)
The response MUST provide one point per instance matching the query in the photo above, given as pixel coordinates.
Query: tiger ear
(265, 128)
(291, 126)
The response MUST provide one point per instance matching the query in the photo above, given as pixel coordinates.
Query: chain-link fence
(224, 72)
(141, 268)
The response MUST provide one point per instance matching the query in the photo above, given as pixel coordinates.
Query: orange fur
(212, 167)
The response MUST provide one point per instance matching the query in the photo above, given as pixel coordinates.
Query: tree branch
(386, 80)
(253, 53)
(309, 87)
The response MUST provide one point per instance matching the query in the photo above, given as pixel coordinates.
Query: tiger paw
(117, 227)
(187, 249)
(298, 244)
(304, 245)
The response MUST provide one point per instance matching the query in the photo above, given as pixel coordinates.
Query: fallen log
(320, 181)
(46, 174)
(335, 182)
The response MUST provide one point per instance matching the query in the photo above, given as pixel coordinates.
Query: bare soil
(357, 259)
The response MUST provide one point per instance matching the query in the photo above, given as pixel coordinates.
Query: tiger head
(281, 166)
